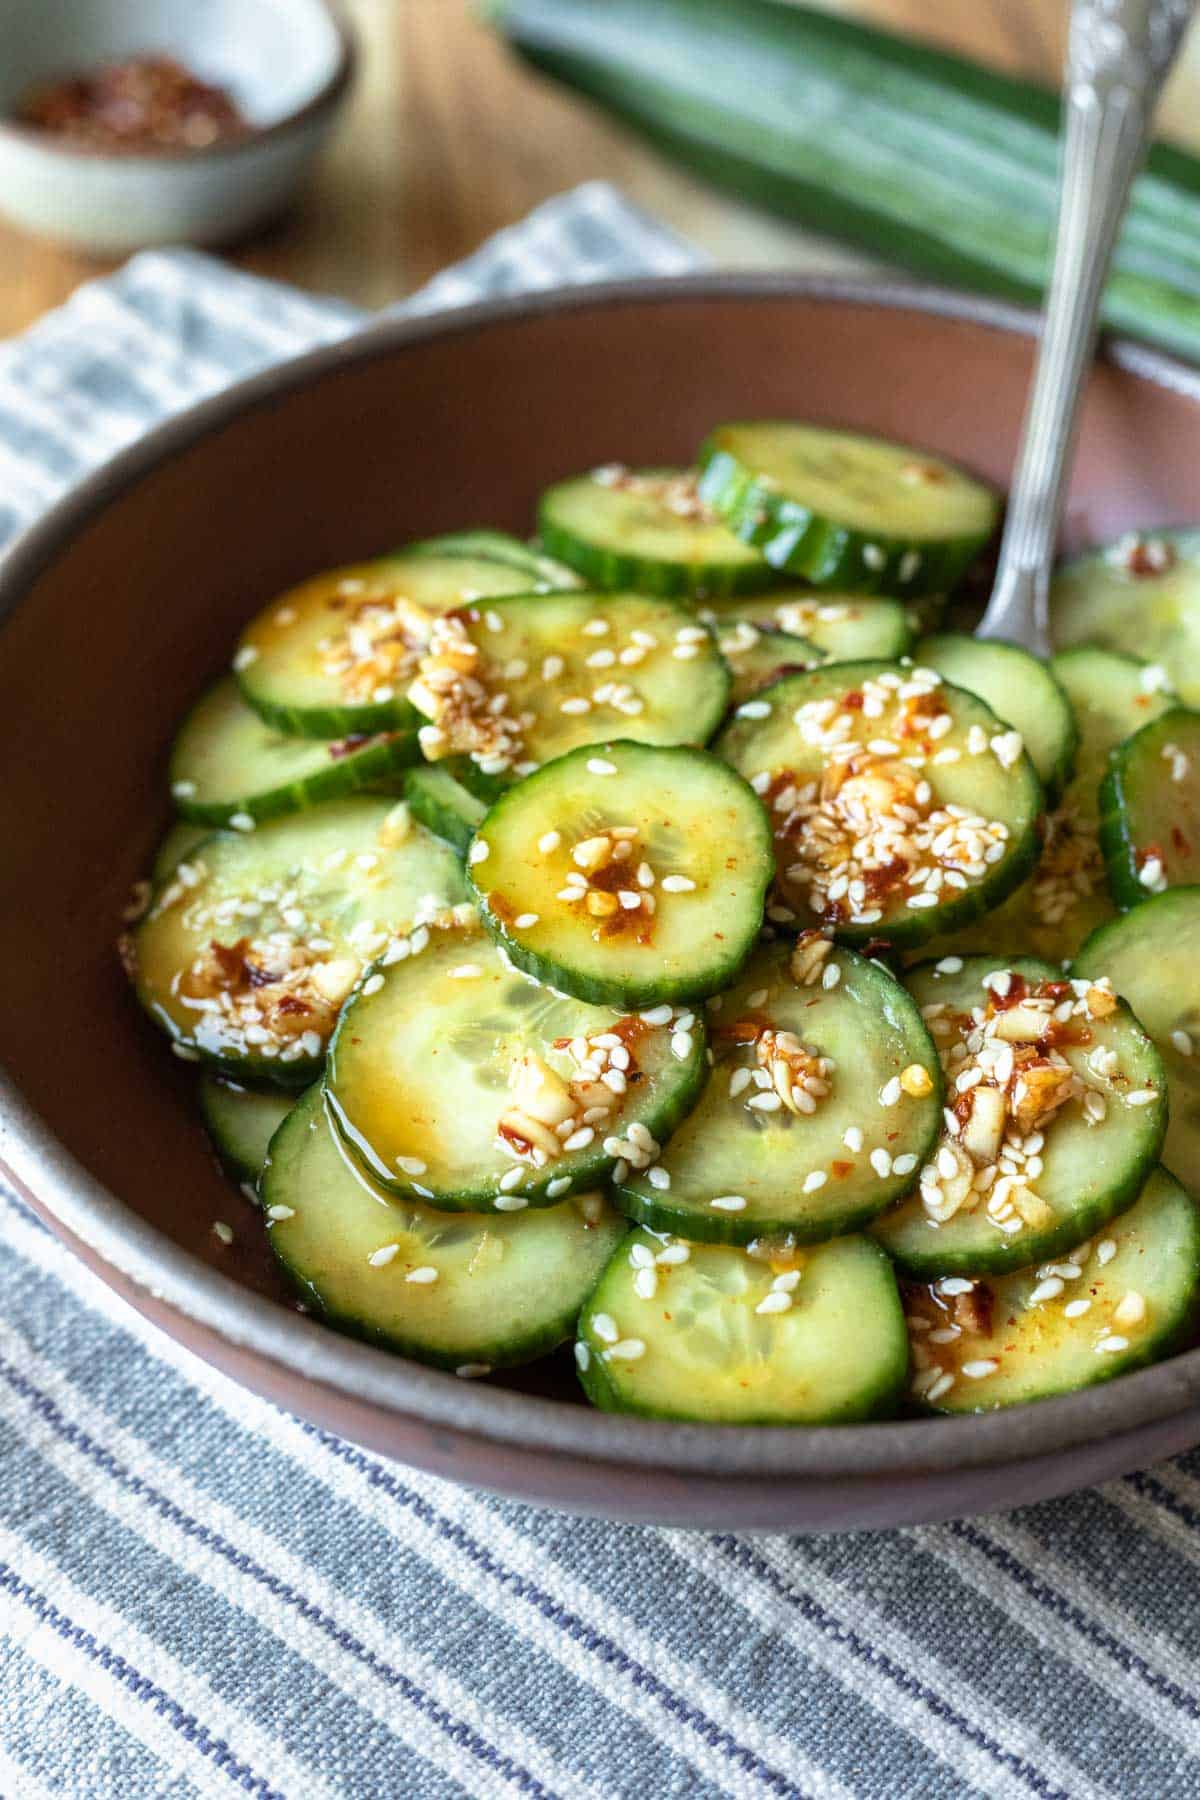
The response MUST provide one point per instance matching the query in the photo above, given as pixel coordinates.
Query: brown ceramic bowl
(125, 600)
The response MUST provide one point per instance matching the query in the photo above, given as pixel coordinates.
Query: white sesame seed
(604, 1326)
(1183, 1043)
(583, 1355)
(222, 1231)
(479, 852)
(658, 1015)
(558, 1186)
(754, 709)
(853, 1139)
(955, 1284)
(904, 1165)
(889, 1093)
(658, 1177)
(1131, 1310)
(245, 656)
(831, 975)
(579, 1140)
(1075, 1309)
(816, 1180)
(682, 1044)
(1141, 1096)
(386, 1253)
(241, 821)
(775, 1302)
(1112, 1344)
(511, 1203)
(425, 1276)
(941, 1386)
(465, 972)
(981, 1367)
(598, 766)
(767, 1101)
(881, 1162)
(525, 921)
(677, 884)
(729, 1203)
(470, 1371)
(1106, 1249)
(410, 1165)
(1046, 1290)
(183, 789)
(595, 627)
(788, 1282)
(549, 842)
(628, 1350)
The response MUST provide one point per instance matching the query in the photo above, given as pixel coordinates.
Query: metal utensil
(1118, 57)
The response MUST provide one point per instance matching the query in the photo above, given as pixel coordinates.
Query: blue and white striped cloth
(201, 1596)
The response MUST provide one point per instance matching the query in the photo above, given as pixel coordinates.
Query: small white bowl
(287, 63)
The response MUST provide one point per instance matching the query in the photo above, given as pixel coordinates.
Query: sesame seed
(754, 709)
(1046, 1290)
(524, 921)
(768, 1101)
(674, 1254)
(245, 656)
(853, 1139)
(595, 628)
(424, 1276)
(1112, 1344)
(598, 766)
(410, 1165)
(579, 1140)
(604, 1326)
(222, 1231)
(677, 884)
(889, 1093)
(774, 1302)
(241, 821)
(1130, 1311)
(479, 852)
(659, 1178)
(627, 1350)
(941, 1386)
(1075, 1309)
(983, 1366)
(658, 1015)
(183, 789)
(955, 1284)
(1142, 1096)
(549, 842)
(510, 1203)
(1183, 1043)
(583, 1355)
(816, 1180)
(881, 1162)
(904, 1165)
(558, 1186)
(729, 1203)
(386, 1253)
(465, 972)
(685, 652)
(831, 975)
(185, 1053)
(788, 1282)
(470, 1371)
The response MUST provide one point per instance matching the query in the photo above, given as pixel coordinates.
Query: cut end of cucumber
(843, 510)
(626, 874)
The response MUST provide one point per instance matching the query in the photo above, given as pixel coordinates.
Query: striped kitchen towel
(202, 1596)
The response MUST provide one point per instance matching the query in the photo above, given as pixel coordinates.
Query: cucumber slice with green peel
(1150, 809)
(1125, 1297)
(546, 574)
(241, 1123)
(711, 1333)
(457, 1080)
(1151, 956)
(247, 953)
(228, 765)
(443, 805)
(847, 627)
(521, 681)
(335, 655)
(1059, 1102)
(846, 511)
(1141, 596)
(463, 1291)
(626, 874)
(759, 1161)
(176, 846)
(757, 657)
(928, 822)
(646, 529)
(1067, 898)
(1020, 689)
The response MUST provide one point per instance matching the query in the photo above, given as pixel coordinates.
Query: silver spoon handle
(1118, 57)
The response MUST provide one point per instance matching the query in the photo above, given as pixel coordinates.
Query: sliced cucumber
(228, 764)
(758, 1161)
(179, 842)
(444, 805)
(968, 798)
(1150, 808)
(1056, 1171)
(246, 955)
(841, 510)
(847, 627)
(757, 657)
(517, 683)
(707, 1332)
(241, 1123)
(545, 573)
(646, 529)
(1067, 896)
(1141, 596)
(421, 1066)
(1117, 1301)
(1152, 957)
(1020, 689)
(465, 1291)
(335, 655)
(626, 874)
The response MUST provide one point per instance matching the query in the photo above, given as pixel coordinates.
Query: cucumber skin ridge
(614, 571)
(356, 771)
(796, 541)
(331, 721)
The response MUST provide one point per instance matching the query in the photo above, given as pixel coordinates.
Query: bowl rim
(292, 1345)
(327, 96)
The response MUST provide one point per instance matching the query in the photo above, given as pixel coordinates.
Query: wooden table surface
(447, 138)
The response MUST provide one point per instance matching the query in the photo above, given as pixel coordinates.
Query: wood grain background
(447, 138)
